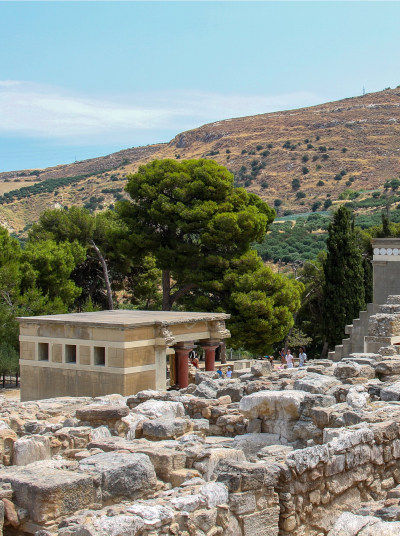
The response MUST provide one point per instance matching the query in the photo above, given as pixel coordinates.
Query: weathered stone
(273, 404)
(153, 409)
(263, 523)
(315, 383)
(31, 449)
(122, 475)
(101, 413)
(162, 428)
(48, 493)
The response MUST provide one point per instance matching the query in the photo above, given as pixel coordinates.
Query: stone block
(48, 493)
(31, 449)
(162, 428)
(101, 413)
(127, 476)
(263, 523)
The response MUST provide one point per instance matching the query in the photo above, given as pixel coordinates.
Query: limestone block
(315, 383)
(165, 428)
(48, 493)
(153, 409)
(214, 457)
(309, 458)
(388, 367)
(390, 392)
(204, 519)
(7, 439)
(357, 397)
(101, 413)
(242, 503)
(215, 493)
(273, 404)
(164, 460)
(31, 449)
(263, 523)
(349, 524)
(122, 475)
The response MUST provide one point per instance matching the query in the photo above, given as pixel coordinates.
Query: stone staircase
(354, 344)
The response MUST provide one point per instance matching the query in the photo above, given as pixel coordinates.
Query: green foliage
(300, 195)
(310, 316)
(46, 186)
(192, 219)
(9, 359)
(295, 184)
(301, 241)
(305, 170)
(394, 184)
(349, 194)
(277, 202)
(320, 183)
(261, 302)
(344, 293)
(53, 264)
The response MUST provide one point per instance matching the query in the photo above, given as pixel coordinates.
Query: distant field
(14, 185)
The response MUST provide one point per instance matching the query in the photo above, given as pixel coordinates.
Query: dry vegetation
(353, 143)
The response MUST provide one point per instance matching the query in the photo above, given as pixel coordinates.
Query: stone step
(393, 299)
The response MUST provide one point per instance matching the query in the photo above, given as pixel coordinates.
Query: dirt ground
(10, 393)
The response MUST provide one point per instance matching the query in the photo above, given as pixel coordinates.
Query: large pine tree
(344, 293)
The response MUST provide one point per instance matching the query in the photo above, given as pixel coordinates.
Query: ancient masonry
(386, 282)
(300, 452)
(93, 354)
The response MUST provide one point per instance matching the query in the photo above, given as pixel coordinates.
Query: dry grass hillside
(353, 143)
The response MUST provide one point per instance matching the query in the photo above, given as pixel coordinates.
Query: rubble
(304, 452)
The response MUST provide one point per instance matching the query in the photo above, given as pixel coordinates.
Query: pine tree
(344, 292)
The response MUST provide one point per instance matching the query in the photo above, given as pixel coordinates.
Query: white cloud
(50, 112)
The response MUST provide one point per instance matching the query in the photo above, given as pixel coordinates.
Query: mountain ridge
(295, 159)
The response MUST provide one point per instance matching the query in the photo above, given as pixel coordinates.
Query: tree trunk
(16, 379)
(222, 354)
(166, 290)
(106, 277)
(324, 351)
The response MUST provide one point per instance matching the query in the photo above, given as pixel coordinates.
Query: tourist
(289, 359)
(283, 356)
(229, 373)
(302, 357)
(195, 361)
(219, 372)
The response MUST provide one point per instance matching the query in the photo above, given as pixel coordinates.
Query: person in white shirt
(229, 373)
(289, 359)
(302, 357)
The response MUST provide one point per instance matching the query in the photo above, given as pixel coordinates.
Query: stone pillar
(182, 360)
(209, 349)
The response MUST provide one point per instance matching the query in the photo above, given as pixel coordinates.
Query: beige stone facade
(99, 353)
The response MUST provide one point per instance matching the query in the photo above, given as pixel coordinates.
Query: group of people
(228, 372)
(287, 358)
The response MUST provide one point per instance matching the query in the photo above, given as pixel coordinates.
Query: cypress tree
(344, 292)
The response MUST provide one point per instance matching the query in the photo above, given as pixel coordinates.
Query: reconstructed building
(122, 351)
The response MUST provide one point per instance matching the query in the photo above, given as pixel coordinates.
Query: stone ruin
(305, 452)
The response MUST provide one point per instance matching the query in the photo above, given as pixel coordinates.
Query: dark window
(70, 353)
(43, 351)
(99, 355)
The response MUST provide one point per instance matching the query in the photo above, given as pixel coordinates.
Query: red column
(210, 356)
(183, 366)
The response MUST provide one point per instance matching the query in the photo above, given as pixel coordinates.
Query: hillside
(299, 160)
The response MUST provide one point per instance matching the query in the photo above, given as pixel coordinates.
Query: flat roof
(124, 318)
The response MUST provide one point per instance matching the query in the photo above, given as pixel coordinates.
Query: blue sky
(83, 79)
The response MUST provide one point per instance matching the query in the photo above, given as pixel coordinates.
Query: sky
(84, 79)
